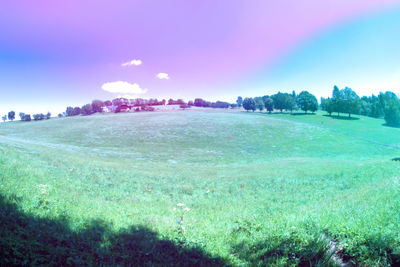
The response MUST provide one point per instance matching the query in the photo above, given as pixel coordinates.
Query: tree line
(343, 101)
(280, 101)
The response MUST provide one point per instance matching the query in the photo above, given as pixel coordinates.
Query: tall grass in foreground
(255, 190)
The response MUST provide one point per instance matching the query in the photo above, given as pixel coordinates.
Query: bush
(26, 117)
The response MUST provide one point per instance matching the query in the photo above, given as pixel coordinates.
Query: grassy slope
(261, 188)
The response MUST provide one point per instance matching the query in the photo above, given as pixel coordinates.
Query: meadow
(200, 187)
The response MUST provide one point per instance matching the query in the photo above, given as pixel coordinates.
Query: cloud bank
(122, 87)
(135, 62)
(163, 76)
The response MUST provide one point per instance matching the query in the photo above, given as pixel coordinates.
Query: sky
(55, 54)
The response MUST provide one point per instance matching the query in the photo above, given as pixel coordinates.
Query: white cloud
(163, 76)
(135, 62)
(122, 87)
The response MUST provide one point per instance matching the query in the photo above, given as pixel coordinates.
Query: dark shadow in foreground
(391, 126)
(345, 118)
(302, 113)
(30, 240)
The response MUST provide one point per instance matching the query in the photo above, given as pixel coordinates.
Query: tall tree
(69, 111)
(350, 101)
(259, 103)
(249, 104)
(97, 106)
(392, 112)
(11, 115)
(239, 101)
(87, 109)
(21, 115)
(4, 118)
(337, 100)
(268, 103)
(307, 102)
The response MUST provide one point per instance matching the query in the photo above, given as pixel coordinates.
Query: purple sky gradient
(64, 51)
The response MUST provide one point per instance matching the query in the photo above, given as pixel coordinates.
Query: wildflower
(186, 209)
(208, 191)
(180, 204)
(174, 208)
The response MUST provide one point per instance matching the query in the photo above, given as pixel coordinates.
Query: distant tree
(76, 111)
(107, 103)
(239, 101)
(337, 98)
(290, 102)
(97, 106)
(180, 102)
(327, 105)
(4, 118)
(11, 115)
(171, 101)
(38, 117)
(279, 101)
(233, 105)
(21, 115)
(184, 106)
(26, 117)
(48, 116)
(259, 103)
(69, 111)
(163, 102)
(198, 102)
(268, 103)
(392, 112)
(87, 109)
(307, 102)
(365, 107)
(190, 103)
(249, 104)
(350, 101)
(60, 115)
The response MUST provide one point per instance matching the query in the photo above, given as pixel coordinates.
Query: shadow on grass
(345, 118)
(30, 240)
(302, 113)
(391, 126)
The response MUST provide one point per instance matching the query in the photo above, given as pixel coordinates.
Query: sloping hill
(257, 188)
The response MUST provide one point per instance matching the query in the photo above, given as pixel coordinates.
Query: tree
(184, 106)
(76, 111)
(60, 115)
(365, 107)
(48, 116)
(26, 117)
(337, 100)
(350, 102)
(11, 115)
(268, 103)
(38, 117)
(87, 109)
(69, 111)
(239, 101)
(249, 104)
(21, 115)
(4, 118)
(392, 112)
(327, 105)
(290, 102)
(97, 106)
(307, 101)
(279, 101)
(259, 103)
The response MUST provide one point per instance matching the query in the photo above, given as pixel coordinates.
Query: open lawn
(200, 188)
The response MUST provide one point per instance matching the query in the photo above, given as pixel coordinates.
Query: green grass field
(256, 189)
